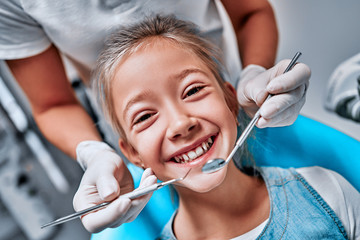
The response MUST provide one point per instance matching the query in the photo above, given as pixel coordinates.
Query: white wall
(327, 32)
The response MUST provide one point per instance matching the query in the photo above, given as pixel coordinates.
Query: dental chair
(305, 143)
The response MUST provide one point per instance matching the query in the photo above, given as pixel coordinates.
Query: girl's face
(174, 114)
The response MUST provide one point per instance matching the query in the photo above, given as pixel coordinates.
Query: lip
(202, 159)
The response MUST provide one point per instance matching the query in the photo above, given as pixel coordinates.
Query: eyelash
(143, 118)
(190, 92)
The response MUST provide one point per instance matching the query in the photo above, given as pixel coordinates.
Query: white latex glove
(289, 91)
(105, 178)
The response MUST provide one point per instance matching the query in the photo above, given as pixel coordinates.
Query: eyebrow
(183, 74)
(137, 98)
(146, 94)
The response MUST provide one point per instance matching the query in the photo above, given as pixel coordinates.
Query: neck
(235, 207)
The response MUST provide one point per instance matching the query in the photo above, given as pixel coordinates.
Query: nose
(181, 125)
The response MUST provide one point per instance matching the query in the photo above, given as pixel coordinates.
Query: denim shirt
(297, 211)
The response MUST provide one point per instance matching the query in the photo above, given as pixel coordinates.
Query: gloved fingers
(108, 187)
(277, 122)
(285, 117)
(148, 178)
(297, 76)
(136, 207)
(134, 210)
(148, 173)
(103, 218)
(251, 71)
(120, 211)
(278, 103)
(85, 197)
(253, 89)
(252, 94)
(138, 204)
(130, 214)
(88, 152)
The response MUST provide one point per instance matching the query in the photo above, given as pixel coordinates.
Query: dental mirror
(216, 164)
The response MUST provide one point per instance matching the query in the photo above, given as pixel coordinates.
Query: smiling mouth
(191, 155)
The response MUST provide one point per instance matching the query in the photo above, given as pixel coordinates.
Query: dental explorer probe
(216, 164)
(131, 195)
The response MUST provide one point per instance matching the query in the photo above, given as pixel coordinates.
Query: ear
(230, 88)
(231, 99)
(130, 153)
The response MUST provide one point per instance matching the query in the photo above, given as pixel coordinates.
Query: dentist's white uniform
(29, 27)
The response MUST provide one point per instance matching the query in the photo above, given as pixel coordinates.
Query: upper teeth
(193, 154)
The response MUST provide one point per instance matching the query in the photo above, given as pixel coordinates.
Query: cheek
(148, 146)
(220, 114)
(217, 109)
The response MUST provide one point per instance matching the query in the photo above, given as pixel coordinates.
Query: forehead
(153, 57)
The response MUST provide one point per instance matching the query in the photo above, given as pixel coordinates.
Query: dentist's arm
(256, 31)
(257, 34)
(58, 114)
(64, 122)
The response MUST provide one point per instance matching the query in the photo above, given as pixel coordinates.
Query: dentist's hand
(105, 178)
(289, 92)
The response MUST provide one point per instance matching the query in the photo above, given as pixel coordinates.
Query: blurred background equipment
(326, 37)
(343, 91)
(37, 181)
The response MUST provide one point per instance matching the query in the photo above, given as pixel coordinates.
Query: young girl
(161, 87)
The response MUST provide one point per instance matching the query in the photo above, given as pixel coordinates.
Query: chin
(203, 182)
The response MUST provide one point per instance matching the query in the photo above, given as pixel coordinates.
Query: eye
(142, 118)
(193, 91)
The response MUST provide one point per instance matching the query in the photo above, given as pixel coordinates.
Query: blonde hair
(128, 40)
